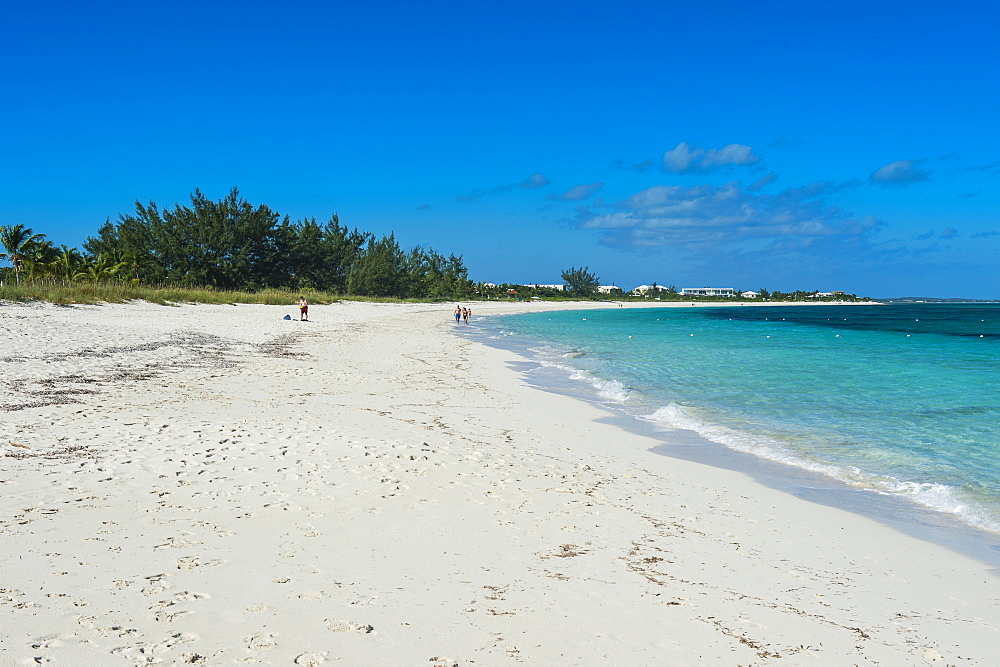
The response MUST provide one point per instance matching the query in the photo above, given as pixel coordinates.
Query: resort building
(708, 291)
(555, 287)
(642, 290)
(750, 294)
(608, 289)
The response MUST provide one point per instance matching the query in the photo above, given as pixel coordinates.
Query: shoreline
(369, 487)
(895, 512)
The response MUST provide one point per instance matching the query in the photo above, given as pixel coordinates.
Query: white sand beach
(214, 485)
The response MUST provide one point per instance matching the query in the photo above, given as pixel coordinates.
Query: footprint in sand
(164, 616)
(337, 625)
(259, 642)
(156, 584)
(311, 659)
(190, 658)
(175, 543)
(188, 596)
(187, 563)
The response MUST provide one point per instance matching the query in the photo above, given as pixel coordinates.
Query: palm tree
(100, 268)
(67, 264)
(36, 256)
(15, 240)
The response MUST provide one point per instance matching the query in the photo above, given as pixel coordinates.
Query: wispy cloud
(991, 168)
(686, 158)
(577, 192)
(531, 182)
(764, 180)
(950, 233)
(724, 217)
(900, 172)
(534, 182)
(641, 167)
(985, 235)
(470, 197)
(423, 207)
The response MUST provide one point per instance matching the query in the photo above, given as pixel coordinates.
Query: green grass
(165, 295)
(89, 293)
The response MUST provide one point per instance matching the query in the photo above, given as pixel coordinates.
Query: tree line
(582, 283)
(231, 244)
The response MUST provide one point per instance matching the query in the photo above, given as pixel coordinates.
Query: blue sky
(813, 145)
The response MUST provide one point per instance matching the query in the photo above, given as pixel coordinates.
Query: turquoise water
(901, 400)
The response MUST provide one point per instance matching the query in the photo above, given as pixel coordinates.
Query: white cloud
(686, 158)
(578, 192)
(733, 154)
(535, 181)
(723, 216)
(681, 158)
(899, 172)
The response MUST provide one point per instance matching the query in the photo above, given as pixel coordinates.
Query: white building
(708, 291)
(608, 289)
(750, 294)
(641, 290)
(555, 287)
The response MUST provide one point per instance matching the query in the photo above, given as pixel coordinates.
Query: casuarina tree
(580, 282)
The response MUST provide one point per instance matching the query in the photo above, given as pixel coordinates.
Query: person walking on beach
(465, 314)
(303, 309)
(458, 313)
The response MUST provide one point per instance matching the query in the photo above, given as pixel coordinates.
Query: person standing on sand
(303, 309)
(458, 313)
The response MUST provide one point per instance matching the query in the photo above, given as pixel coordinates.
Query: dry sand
(213, 485)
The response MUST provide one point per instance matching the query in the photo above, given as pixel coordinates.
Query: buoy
(629, 336)
(838, 335)
(766, 336)
(907, 335)
(692, 334)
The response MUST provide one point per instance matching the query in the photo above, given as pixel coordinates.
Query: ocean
(899, 402)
